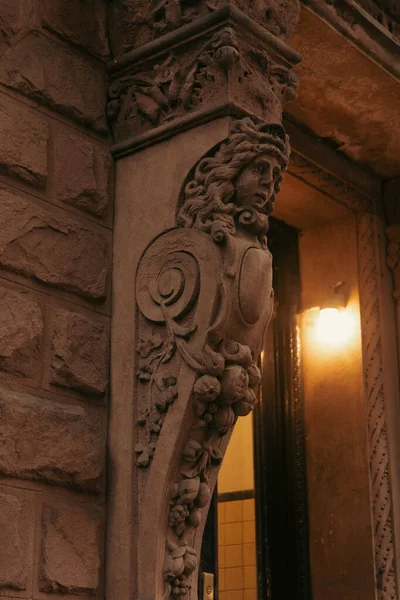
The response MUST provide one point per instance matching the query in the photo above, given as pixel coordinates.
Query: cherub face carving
(243, 172)
(254, 186)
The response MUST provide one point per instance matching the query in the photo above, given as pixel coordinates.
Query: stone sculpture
(204, 294)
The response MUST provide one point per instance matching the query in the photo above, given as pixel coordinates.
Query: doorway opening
(256, 537)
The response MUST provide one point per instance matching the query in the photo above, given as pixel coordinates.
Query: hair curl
(210, 194)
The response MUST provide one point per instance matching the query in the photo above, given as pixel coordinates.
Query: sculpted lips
(261, 200)
(263, 203)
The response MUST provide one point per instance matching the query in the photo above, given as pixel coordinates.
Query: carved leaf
(148, 106)
(186, 92)
(213, 361)
(144, 372)
(190, 560)
(208, 361)
(216, 456)
(146, 345)
(169, 352)
(174, 88)
(181, 330)
(158, 96)
(143, 459)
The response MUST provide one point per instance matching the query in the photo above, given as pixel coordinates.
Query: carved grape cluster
(189, 496)
(180, 562)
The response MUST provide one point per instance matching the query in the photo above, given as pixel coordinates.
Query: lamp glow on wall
(334, 323)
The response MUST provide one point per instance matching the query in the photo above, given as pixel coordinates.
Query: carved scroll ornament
(204, 295)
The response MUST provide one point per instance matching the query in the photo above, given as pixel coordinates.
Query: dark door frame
(279, 437)
(283, 564)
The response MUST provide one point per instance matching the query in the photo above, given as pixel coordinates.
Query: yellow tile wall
(237, 571)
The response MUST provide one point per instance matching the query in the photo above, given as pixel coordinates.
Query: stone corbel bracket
(201, 328)
(221, 64)
(204, 300)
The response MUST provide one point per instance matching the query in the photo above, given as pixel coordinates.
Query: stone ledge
(83, 173)
(70, 548)
(16, 15)
(23, 143)
(17, 523)
(47, 72)
(50, 246)
(79, 353)
(50, 442)
(67, 19)
(21, 331)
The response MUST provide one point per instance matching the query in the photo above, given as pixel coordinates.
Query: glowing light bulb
(333, 326)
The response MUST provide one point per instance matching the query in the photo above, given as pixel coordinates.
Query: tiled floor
(237, 574)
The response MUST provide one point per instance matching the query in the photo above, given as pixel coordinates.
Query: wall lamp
(334, 324)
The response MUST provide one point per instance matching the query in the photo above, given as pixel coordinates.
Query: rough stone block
(23, 143)
(82, 22)
(21, 329)
(65, 81)
(79, 353)
(47, 441)
(82, 173)
(15, 15)
(70, 549)
(51, 247)
(16, 533)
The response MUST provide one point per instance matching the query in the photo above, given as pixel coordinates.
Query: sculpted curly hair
(210, 194)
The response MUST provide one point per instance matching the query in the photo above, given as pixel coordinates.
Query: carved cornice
(135, 23)
(329, 185)
(385, 12)
(372, 28)
(224, 63)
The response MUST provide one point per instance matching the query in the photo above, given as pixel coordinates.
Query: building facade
(143, 147)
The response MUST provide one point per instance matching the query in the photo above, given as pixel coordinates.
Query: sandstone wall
(56, 185)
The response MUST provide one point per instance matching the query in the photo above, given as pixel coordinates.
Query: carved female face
(254, 185)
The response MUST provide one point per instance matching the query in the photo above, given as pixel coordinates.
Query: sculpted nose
(266, 180)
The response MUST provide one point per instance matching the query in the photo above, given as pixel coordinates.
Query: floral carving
(154, 352)
(195, 76)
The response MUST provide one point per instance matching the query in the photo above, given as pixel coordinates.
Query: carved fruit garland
(224, 392)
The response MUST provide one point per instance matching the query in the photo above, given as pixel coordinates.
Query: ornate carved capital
(223, 63)
(204, 297)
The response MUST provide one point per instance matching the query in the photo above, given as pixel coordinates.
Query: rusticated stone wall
(56, 186)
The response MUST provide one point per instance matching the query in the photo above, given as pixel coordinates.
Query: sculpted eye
(260, 168)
